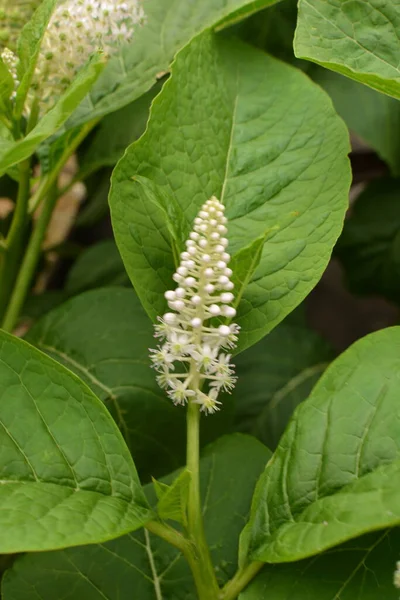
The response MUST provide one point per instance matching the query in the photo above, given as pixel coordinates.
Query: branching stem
(242, 578)
(46, 195)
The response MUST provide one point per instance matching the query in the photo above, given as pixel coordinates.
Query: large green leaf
(116, 132)
(369, 247)
(371, 115)
(99, 265)
(362, 569)
(168, 27)
(226, 123)
(336, 472)
(67, 477)
(275, 375)
(14, 152)
(357, 39)
(37, 305)
(140, 565)
(104, 336)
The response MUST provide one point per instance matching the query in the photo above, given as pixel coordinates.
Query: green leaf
(168, 211)
(173, 502)
(369, 247)
(278, 166)
(51, 151)
(347, 37)
(31, 35)
(99, 265)
(159, 488)
(169, 26)
(15, 152)
(29, 43)
(244, 265)
(362, 569)
(275, 375)
(335, 474)
(61, 455)
(371, 115)
(141, 564)
(116, 132)
(6, 88)
(37, 305)
(104, 336)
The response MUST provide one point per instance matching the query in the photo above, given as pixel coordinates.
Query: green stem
(201, 565)
(242, 578)
(188, 549)
(169, 534)
(47, 188)
(29, 264)
(14, 242)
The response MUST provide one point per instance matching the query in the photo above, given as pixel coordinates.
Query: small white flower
(208, 402)
(179, 393)
(205, 357)
(162, 357)
(164, 380)
(180, 345)
(224, 381)
(223, 366)
(164, 329)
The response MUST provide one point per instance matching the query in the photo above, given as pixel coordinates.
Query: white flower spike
(192, 338)
(76, 30)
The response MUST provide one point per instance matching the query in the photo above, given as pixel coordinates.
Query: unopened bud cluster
(77, 29)
(194, 353)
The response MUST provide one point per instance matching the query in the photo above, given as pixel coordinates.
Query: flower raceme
(194, 352)
(76, 30)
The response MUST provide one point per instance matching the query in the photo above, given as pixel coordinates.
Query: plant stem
(47, 189)
(29, 264)
(188, 549)
(201, 565)
(15, 237)
(169, 534)
(242, 578)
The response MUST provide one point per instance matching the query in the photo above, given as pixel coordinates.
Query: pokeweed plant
(225, 213)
